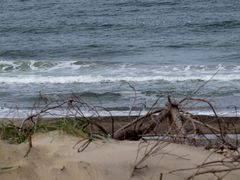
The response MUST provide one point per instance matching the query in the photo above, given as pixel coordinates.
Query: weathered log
(130, 127)
(175, 117)
(144, 125)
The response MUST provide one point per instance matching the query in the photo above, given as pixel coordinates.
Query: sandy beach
(53, 157)
(120, 90)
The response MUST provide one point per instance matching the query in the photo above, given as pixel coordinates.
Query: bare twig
(29, 145)
(134, 100)
(213, 171)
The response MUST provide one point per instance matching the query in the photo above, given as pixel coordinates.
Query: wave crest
(98, 79)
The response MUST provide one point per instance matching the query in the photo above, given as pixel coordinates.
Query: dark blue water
(93, 48)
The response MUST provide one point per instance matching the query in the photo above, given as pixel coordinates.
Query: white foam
(236, 68)
(223, 113)
(44, 66)
(110, 72)
(36, 79)
(21, 113)
(123, 72)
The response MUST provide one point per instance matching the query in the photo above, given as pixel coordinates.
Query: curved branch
(200, 100)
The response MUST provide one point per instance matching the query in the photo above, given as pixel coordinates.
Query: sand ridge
(53, 157)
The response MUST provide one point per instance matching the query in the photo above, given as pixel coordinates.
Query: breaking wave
(33, 79)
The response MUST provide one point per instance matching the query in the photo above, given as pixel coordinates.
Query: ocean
(94, 48)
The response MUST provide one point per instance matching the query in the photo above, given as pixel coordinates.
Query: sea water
(94, 48)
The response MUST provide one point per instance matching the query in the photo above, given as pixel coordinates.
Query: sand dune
(53, 157)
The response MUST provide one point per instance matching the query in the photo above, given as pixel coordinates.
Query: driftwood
(180, 124)
(144, 124)
(178, 127)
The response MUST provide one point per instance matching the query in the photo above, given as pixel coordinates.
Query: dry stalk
(84, 145)
(74, 105)
(213, 171)
(48, 107)
(213, 167)
(149, 150)
(29, 145)
(134, 99)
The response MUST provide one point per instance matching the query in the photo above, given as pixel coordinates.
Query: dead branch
(149, 150)
(134, 100)
(200, 100)
(201, 86)
(213, 171)
(29, 146)
(45, 109)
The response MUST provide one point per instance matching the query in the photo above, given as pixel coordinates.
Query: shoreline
(109, 122)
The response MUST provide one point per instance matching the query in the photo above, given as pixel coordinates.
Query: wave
(223, 24)
(33, 65)
(48, 65)
(63, 72)
(146, 3)
(34, 79)
(95, 94)
(21, 113)
(214, 26)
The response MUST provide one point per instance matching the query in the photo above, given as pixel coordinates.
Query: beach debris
(171, 122)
